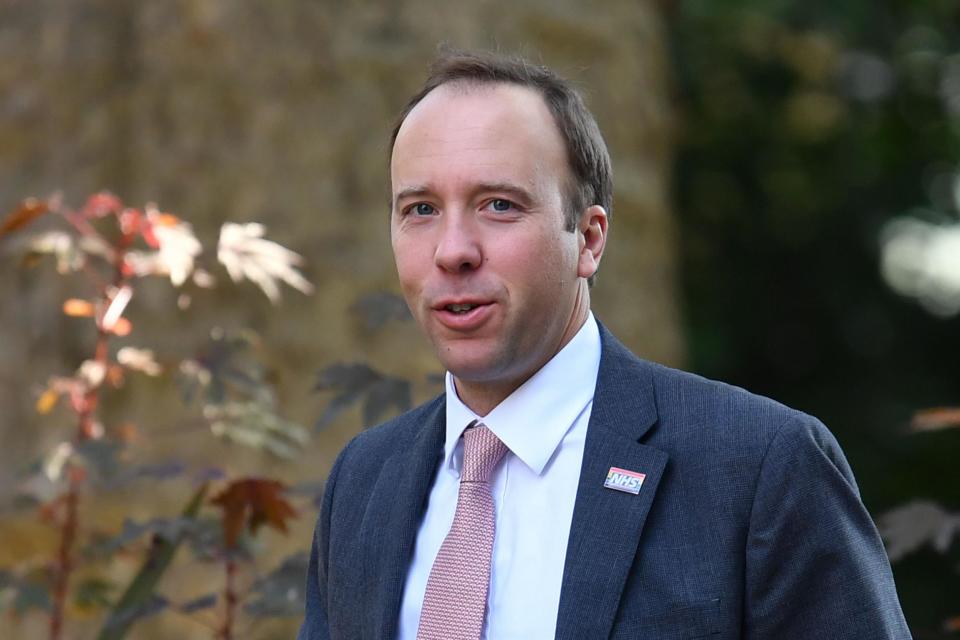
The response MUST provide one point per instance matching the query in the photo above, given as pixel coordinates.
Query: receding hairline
(470, 85)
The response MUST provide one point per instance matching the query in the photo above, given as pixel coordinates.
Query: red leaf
(28, 211)
(49, 512)
(47, 401)
(130, 221)
(101, 204)
(115, 375)
(146, 231)
(79, 308)
(78, 399)
(935, 419)
(256, 501)
(122, 327)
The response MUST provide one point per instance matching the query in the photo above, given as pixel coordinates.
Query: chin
(472, 367)
(469, 371)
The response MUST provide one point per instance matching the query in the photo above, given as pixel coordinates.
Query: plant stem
(230, 597)
(64, 557)
(86, 430)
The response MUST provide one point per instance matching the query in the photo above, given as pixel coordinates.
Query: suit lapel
(391, 521)
(607, 524)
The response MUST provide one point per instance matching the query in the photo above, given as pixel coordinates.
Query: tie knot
(482, 451)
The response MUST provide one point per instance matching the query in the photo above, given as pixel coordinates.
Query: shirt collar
(533, 420)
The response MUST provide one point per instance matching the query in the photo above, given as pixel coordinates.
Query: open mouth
(464, 316)
(460, 309)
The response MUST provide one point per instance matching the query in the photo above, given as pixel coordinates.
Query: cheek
(408, 256)
(557, 258)
(409, 272)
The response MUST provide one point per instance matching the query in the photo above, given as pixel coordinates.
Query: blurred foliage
(112, 248)
(806, 128)
(359, 384)
(281, 592)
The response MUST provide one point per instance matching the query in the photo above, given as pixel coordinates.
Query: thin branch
(86, 429)
(230, 598)
(65, 555)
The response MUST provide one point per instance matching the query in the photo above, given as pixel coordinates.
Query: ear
(592, 232)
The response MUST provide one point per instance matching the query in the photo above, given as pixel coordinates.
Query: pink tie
(456, 597)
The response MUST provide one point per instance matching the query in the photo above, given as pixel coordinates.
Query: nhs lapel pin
(623, 480)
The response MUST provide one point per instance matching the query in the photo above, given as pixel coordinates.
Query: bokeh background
(786, 219)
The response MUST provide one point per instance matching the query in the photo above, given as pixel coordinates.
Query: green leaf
(139, 600)
(198, 604)
(256, 425)
(358, 383)
(23, 593)
(387, 393)
(93, 593)
(167, 529)
(100, 458)
(280, 593)
(31, 595)
(376, 310)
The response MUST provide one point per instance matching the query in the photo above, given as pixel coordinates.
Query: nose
(458, 248)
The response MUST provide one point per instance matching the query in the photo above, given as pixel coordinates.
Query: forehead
(478, 128)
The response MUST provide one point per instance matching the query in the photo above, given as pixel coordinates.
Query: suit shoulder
(688, 404)
(698, 392)
(691, 406)
(722, 429)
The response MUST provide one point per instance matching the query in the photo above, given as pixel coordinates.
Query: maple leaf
(355, 383)
(177, 252)
(247, 255)
(256, 424)
(254, 501)
(139, 360)
(178, 245)
(28, 211)
(70, 253)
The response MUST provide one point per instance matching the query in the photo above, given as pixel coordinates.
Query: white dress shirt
(544, 424)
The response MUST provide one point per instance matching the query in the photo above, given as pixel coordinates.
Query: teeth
(460, 308)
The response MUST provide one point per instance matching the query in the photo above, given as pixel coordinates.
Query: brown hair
(587, 153)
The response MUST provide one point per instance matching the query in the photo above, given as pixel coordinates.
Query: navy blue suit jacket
(749, 523)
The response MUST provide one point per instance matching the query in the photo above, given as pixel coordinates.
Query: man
(561, 487)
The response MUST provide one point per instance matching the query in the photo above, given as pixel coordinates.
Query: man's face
(479, 176)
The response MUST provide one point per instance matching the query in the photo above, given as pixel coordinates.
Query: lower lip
(465, 321)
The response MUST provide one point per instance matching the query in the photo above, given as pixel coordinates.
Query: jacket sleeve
(315, 625)
(815, 565)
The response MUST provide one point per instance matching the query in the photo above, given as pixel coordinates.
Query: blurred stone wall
(279, 113)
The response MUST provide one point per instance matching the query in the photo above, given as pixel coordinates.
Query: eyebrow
(516, 191)
(409, 192)
(513, 190)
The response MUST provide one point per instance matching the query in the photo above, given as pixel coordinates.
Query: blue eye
(501, 205)
(424, 209)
